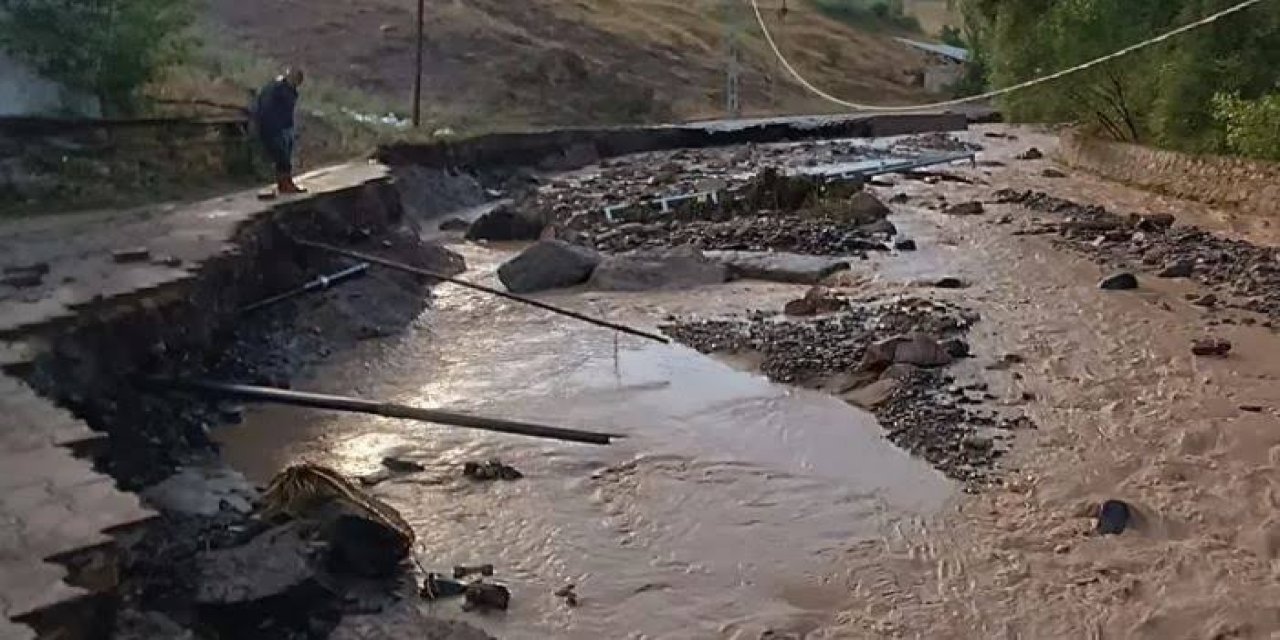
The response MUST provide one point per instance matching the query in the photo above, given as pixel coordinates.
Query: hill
(504, 63)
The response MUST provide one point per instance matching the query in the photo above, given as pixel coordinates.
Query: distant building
(945, 67)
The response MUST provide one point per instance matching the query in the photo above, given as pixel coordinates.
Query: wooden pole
(391, 264)
(251, 393)
(417, 76)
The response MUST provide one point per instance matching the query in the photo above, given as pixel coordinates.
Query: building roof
(954, 53)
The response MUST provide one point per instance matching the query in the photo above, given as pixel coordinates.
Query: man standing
(273, 116)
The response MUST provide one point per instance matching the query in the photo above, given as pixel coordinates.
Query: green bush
(1252, 126)
(109, 48)
(869, 13)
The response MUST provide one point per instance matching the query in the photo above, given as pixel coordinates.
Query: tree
(109, 48)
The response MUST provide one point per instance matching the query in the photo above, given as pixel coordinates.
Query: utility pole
(733, 61)
(417, 77)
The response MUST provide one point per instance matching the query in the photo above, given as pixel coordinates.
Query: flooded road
(720, 513)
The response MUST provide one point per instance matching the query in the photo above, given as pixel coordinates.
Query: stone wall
(1247, 185)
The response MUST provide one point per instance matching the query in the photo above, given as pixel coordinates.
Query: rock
(461, 571)
(1215, 347)
(1119, 281)
(899, 372)
(203, 491)
(405, 619)
(916, 348)
(454, 224)
(1206, 300)
(1052, 173)
(22, 279)
(899, 198)
(779, 266)
(484, 596)
(1178, 269)
(881, 226)
(1113, 517)
(568, 594)
(956, 347)
(680, 268)
(505, 224)
(363, 547)
(904, 244)
(977, 442)
(1252, 408)
(136, 254)
(1031, 154)
(401, 465)
(437, 587)
(490, 470)
(865, 208)
(872, 395)
(971, 208)
(274, 564)
(549, 264)
(950, 282)
(1152, 222)
(818, 300)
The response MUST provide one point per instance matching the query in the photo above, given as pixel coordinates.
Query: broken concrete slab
(679, 268)
(271, 565)
(549, 264)
(791, 268)
(203, 491)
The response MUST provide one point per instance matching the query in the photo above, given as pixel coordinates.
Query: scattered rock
(779, 266)
(273, 564)
(872, 395)
(568, 594)
(1113, 517)
(401, 465)
(363, 547)
(1252, 408)
(950, 282)
(1119, 281)
(490, 470)
(1152, 222)
(680, 268)
(454, 224)
(1052, 173)
(137, 254)
(904, 244)
(881, 227)
(1215, 347)
(971, 208)
(915, 348)
(549, 264)
(462, 571)
(863, 208)
(437, 587)
(484, 596)
(22, 279)
(816, 301)
(899, 198)
(956, 347)
(1031, 154)
(172, 262)
(977, 442)
(1206, 300)
(1178, 269)
(505, 224)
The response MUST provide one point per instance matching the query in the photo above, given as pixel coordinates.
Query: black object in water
(1113, 517)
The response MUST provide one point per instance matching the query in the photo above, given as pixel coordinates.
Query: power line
(786, 64)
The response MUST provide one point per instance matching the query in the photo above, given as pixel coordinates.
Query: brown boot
(286, 185)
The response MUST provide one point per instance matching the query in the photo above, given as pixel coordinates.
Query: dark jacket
(273, 110)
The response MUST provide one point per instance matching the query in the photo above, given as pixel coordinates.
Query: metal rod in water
(392, 264)
(322, 282)
(251, 393)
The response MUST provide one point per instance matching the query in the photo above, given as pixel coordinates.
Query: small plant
(1253, 126)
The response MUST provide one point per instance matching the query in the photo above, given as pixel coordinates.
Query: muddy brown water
(719, 514)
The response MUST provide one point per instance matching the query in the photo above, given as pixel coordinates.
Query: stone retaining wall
(1248, 185)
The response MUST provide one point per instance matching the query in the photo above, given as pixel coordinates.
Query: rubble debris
(569, 594)
(437, 587)
(779, 266)
(1252, 408)
(1206, 300)
(135, 254)
(1178, 269)
(1113, 517)
(453, 224)
(956, 347)
(817, 301)
(463, 571)
(490, 470)
(904, 244)
(1031, 154)
(484, 596)
(880, 227)
(274, 564)
(1052, 173)
(549, 264)
(25, 276)
(899, 198)
(861, 209)
(505, 224)
(679, 268)
(402, 465)
(916, 348)
(1119, 281)
(971, 208)
(1215, 347)
(790, 233)
(949, 282)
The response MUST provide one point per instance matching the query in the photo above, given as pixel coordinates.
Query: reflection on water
(718, 515)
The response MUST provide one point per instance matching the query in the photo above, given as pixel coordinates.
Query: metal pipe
(392, 264)
(251, 393)
(322, 282)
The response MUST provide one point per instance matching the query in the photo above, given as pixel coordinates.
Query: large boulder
(779, 266)
(679, 268)
(364, 547)
(549, 264)
(505, 223)
(916, 348)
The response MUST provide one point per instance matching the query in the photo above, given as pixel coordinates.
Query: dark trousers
(278, 146)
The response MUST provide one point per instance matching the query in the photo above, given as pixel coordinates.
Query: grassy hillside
(506, 63)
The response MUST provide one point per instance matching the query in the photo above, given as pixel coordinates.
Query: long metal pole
(251, 393)
(391, 264)
(417, 76)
